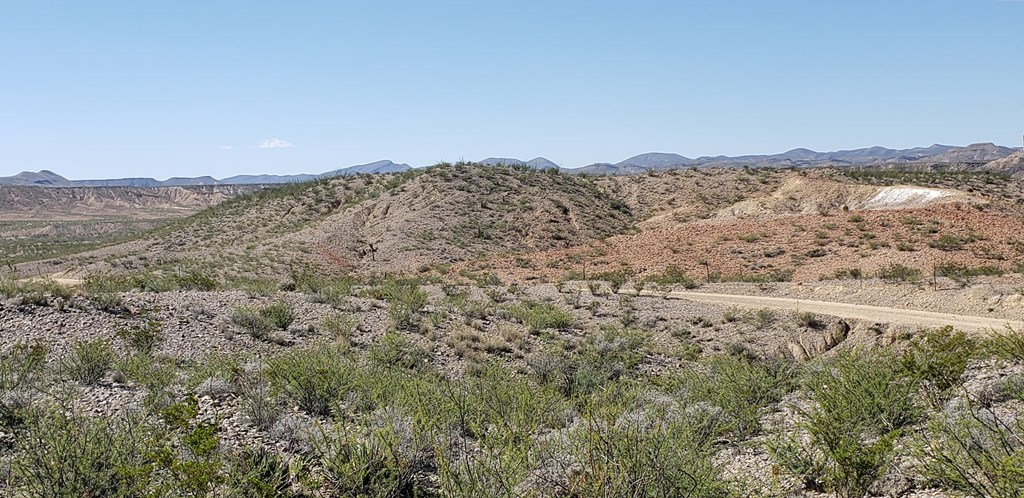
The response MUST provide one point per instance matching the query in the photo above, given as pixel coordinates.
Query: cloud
(275, 143)
(226, 147)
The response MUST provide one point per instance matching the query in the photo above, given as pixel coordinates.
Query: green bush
(142, 338)
(258, 473)
(939, 358)
(973, 450)
(405, 300)
(1008, 345)
(72, 456)
(674, 275)
(89, 361)
(22, 370)
(338, 327)
(396, 350)
(314, 378)
(860, 404)
(372, 467)
(739, 387)
(895, 272)
(279, 315)
(196, 280)
(259, 321)
(539, 316)
(157, 375)
(963, 274)
(630, 447)
(948, 242)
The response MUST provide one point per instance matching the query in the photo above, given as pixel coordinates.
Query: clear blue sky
(95, 89)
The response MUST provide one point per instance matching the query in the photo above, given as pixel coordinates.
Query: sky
(160, 88)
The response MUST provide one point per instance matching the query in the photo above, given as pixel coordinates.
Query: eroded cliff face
(24, 203)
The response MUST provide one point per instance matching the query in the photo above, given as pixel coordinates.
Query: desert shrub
(332, 291)
(152, 282)
(739, 388)
(629, 446)
(939, 357)
(34, 292)
(196, 280)
(973, 450)
(674, 275)
(88, 361)
(258, 473)
(252, 321)
(259, 405)
(605, 356)
(142, 338)
(258, 287)
(396, 350)
(98, 283)
(280, 314)
(948, 242)
(895, 272)
(539, 316)
(1007, 344)
(963, 274)
(194, 461)
(339, 328)
(372, 466)
(259, 321)
(314, 378)
(848, 273)
(615, 279)
(405, 300)
(22, 370)
(860, 404)
(764, 317)
(157, 375)
(109, 302)
(61, 455)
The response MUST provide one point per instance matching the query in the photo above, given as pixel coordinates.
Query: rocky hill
(1012, 164)
(78, 203)
(395, 222)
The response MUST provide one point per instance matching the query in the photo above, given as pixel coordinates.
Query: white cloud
(275, 143)
(226, 147)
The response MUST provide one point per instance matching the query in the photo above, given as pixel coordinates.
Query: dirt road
(879, 314)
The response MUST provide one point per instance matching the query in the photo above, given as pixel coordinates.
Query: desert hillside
(462, 329)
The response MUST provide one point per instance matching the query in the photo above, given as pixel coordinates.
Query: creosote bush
(89, 361)
(861, 402)
(314, 378)
(540, 315)
(260, 321)
(22, 371)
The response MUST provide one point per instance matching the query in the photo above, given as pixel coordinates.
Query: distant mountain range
(975, 153)
(994, 157)
(47, 178)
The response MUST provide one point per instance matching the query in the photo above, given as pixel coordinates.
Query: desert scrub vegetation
(260, 321)
(539, 316)
(860, 404)
(89, 361)
(577, 409)
(36, 292)
(405, 299)
(673, 275)
(895, 272)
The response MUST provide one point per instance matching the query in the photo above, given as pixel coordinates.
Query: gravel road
(881, 314)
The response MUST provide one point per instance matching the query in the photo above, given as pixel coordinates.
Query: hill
(77, 203)
(535, 163)
(391, 222)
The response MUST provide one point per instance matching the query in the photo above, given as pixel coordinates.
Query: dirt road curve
(851, 311)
